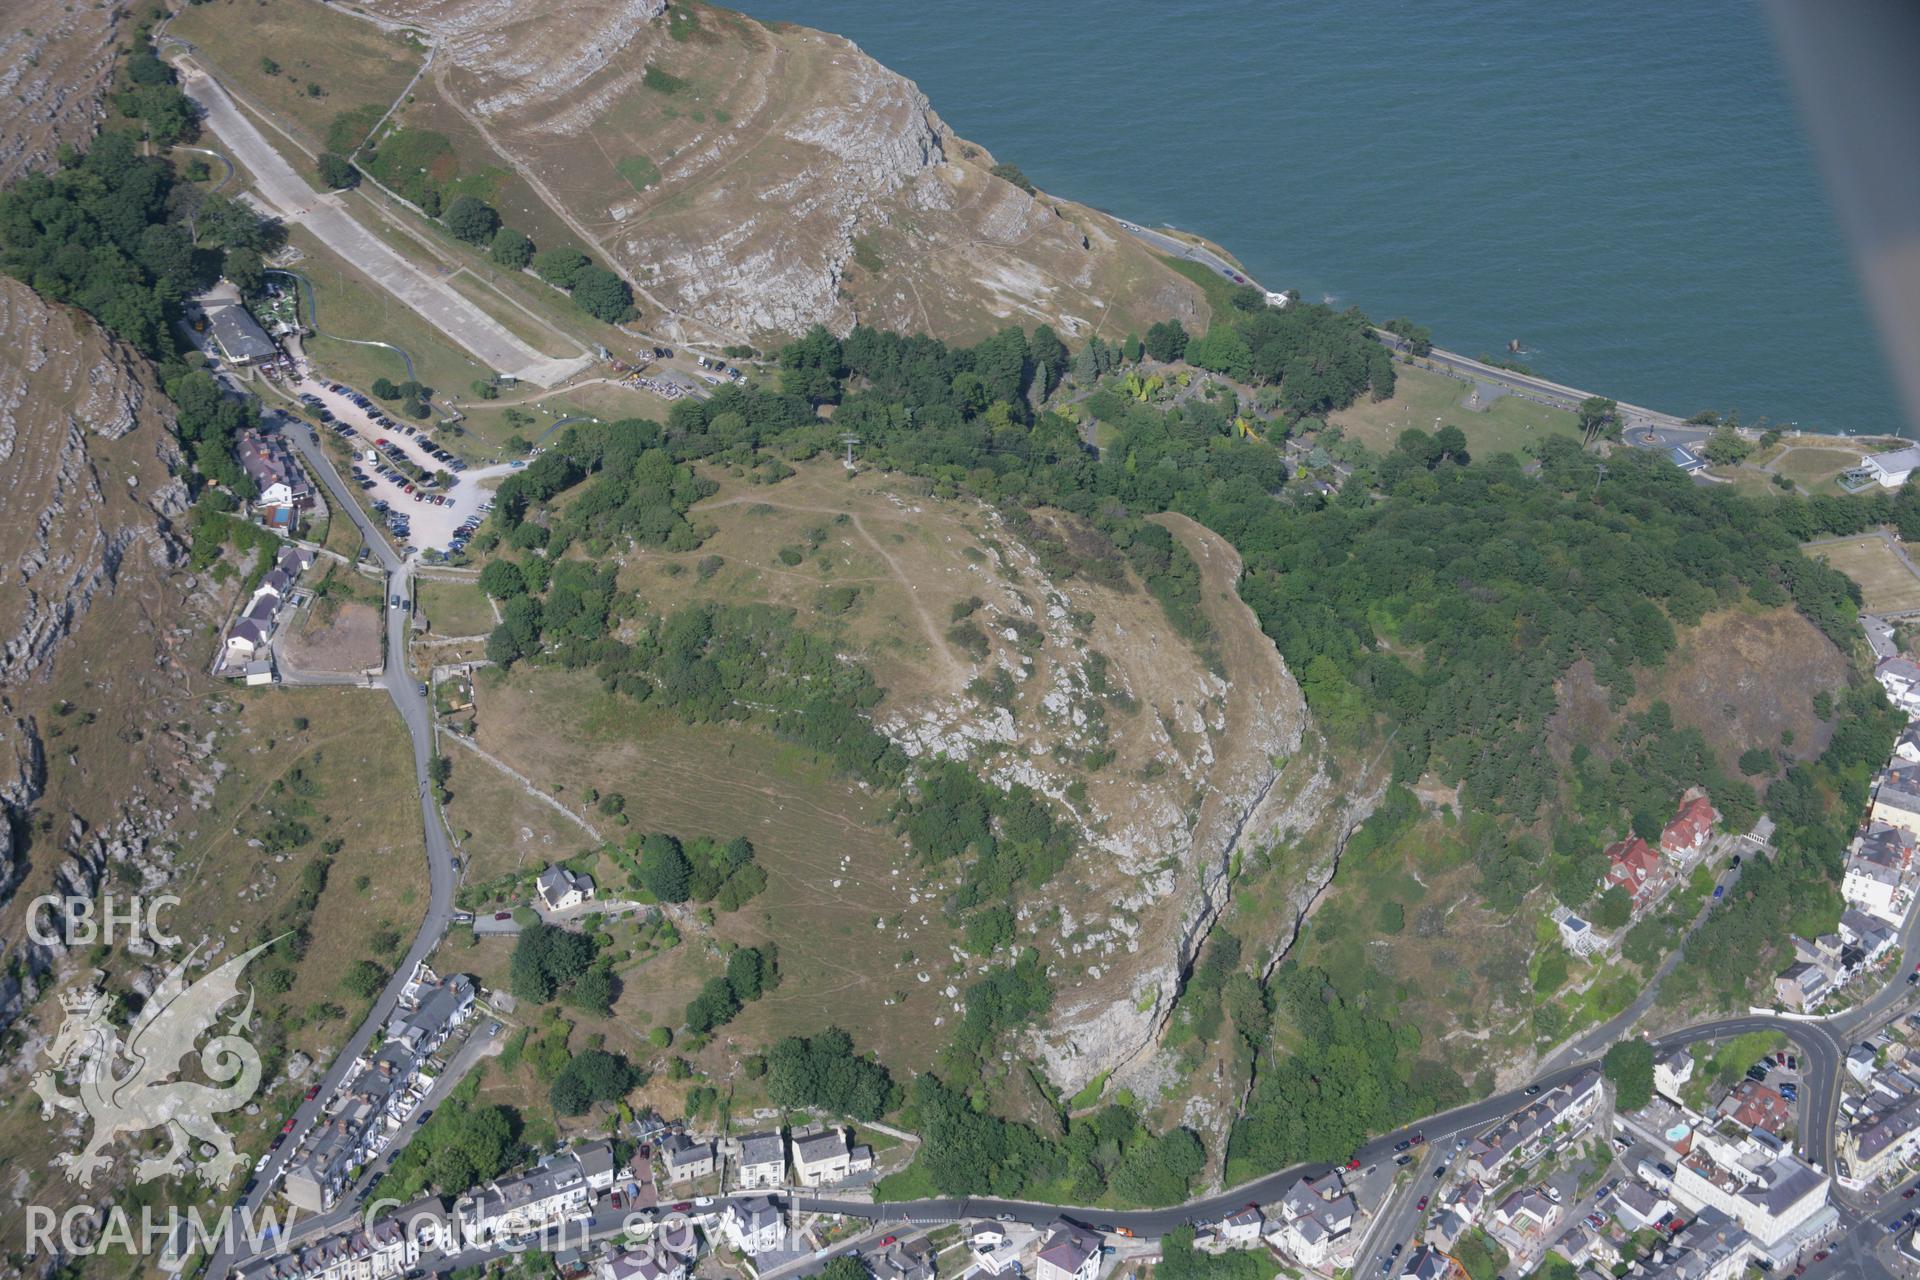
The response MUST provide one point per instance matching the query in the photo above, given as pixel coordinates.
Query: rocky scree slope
(1166, 756)
(758, 179)
(99, 627)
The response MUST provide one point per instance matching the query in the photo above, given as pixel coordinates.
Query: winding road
(404, 690)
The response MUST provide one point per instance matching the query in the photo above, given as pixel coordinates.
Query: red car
(1908, 1194)
(288, 1126)
(313, 1093)
(889, 1240)
(1422, 1206)
(1417, 1139)
(1354, 1163)
(683, 1206)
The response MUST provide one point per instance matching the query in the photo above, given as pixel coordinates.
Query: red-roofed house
(1755, 1106)
(1691, 828)
(1631, 865)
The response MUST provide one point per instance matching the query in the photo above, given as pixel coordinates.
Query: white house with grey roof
(686, 1159)
(1891, 469)
(1758, 1181)
(386, 1249)
(753, 1225)
(1067, 1252)
(235, 333)
(828, 1156)
(560, 887)
(761, 1161)
(1315, 1223)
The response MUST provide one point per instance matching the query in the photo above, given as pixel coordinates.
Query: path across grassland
(287, 195)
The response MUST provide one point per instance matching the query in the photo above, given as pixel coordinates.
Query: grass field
(1886, 585)
(1508, 425)
(1815, 469)
(501, 828)
(1752, 483)
(455, 608)
(351, 62)
(833, 866)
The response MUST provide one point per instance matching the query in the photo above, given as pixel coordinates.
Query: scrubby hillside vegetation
(1440, 611)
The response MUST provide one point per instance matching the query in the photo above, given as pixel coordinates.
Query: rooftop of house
(1899, 788)
(1756, 1106)
(1877, 1130)
(763, 1148)
(1068, 1247)
(1895, 461)
(557, 880)
(239, 336)
(264, 460)
(751, 1214)
(1899, 668)
(679, 1149)
(825, 1145)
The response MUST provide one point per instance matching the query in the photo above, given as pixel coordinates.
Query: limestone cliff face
(1245, 769)
(93, 606)
(1212, 751)
(55, 59)
(752, 180)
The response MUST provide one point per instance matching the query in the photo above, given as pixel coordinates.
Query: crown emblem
(81, 1001)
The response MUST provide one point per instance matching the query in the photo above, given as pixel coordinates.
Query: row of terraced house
(1878, 883)
(817, 1157)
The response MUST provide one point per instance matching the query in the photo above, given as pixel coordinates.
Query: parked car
(1402, 1145)
(1532, 1089)
(1422, 1204)
(1403, 1160)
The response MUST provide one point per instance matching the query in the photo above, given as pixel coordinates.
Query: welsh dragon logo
(127, 1088)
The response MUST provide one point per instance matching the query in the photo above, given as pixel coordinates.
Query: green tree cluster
(825, 1072)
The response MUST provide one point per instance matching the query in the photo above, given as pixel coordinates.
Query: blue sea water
(1624, 187)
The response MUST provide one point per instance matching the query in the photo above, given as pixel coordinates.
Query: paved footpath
(287, 195)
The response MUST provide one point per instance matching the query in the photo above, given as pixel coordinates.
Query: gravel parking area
(422, 515)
